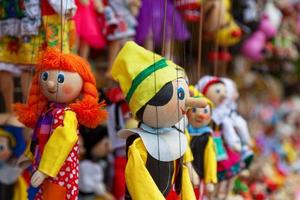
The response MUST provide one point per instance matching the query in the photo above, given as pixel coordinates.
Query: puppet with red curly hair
(62, 95)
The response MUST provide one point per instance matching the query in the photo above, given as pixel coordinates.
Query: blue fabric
(199, 131)
(32, 192)
(17, 132)
(155, 131)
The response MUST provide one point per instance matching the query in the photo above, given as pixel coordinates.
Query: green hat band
(143, 75)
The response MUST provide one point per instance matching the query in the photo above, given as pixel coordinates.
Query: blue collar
(155, 131)
(199, 131)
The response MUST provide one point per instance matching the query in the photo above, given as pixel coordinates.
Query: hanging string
(216, 49)
(163, 50)
(199, 57)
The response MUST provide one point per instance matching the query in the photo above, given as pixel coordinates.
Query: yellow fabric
(139, 181)
(25, 50)
(20, 189)
(188, 155)
(131, 60)
(290, 151)
(27, 152)
(59, 145)
(197, 93)
(210, 162)
(9, 136)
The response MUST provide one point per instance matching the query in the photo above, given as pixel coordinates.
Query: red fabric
(209, 83)
(172, 196)
(119, 177)
(46, 8)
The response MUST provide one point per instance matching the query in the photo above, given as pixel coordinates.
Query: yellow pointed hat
(141, 74)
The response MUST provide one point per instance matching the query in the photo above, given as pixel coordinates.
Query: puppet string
(199, 58)
(216, 61)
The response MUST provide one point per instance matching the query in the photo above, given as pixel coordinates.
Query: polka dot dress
(69, 173)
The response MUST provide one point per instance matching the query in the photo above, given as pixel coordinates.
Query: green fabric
(143, 75)
(220, 149)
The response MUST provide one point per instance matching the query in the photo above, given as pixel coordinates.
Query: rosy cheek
(67, 89)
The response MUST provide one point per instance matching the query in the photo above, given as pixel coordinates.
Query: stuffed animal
(158, 97)
(202, 145)
(54, 110)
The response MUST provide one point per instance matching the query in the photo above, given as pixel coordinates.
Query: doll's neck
(155, 131)
(53, 104)
(199, 130)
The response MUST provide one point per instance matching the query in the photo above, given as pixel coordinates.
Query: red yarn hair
(89, 112)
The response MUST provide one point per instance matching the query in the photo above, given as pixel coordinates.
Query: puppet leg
(113, 49)
(25, 83)
(229, 186)
(84, 49)
(7, 88)
(221, 190)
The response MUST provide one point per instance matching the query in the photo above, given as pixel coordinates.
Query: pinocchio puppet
(158, 97)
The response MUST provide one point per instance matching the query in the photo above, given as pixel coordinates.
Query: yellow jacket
(139, 181)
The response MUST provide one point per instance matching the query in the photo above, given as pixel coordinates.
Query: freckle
(67, 89)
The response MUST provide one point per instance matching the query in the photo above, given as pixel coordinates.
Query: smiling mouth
(52, 92)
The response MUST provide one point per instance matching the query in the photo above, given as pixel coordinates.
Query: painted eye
(194, 110)
(218, 91)
(60, 78)
(1, 147)
(180, 93)
(45, 76)
(205, 110)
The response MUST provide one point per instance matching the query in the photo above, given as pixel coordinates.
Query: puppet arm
(63, 7)
(187, 192)
(138, 180)
(59, 145)
(230, 135)
(242, 129)
(210, 163)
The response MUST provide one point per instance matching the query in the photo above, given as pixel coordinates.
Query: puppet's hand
(210, 187)
(37, 178)
(237, 148)
(23, 162)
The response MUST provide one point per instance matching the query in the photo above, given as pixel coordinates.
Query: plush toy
(202, 145)
(92, 167)
(226, 140)
(62, 95)
(158, 97)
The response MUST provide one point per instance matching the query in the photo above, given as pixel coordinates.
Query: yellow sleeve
(139, 182)
(187, 192)
(27, 151)
(210, 162)
(188, 155)
(59, 145)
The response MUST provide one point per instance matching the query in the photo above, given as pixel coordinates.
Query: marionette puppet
(62, 96)
(158, 97)
(159, 22)
(220, 28)
(12, 146)
(92, 166)
(202, 146)
(227, 143)
(120, 22)
(239, 123)
(25, 27)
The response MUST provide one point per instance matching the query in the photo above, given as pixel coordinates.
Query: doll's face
(102, 148)
(61, 86)
(5, 151)
(216, 93)
(173, 111)
(199, 117)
